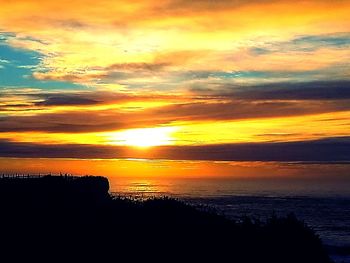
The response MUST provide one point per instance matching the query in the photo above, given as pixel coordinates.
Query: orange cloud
(82, 41)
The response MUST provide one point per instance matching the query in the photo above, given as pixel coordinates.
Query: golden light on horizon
(144, 137)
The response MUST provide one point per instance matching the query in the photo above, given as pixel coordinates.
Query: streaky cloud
(306, 43)
(66, 100)
(335, 149)
(312, 90)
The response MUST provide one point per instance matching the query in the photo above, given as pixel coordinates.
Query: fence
(33, 176)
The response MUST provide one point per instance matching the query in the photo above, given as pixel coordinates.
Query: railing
(33, 176)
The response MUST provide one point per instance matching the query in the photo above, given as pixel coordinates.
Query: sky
(210, 83)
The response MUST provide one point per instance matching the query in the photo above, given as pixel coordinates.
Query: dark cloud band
(313, 90)
(323, 151)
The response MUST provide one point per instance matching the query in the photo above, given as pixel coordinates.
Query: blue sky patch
(17, 65)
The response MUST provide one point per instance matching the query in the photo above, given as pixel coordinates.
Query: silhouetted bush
(75, 219)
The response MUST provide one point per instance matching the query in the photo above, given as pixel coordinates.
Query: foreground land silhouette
(74, 219)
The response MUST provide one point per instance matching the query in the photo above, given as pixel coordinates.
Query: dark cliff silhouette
(74, 219)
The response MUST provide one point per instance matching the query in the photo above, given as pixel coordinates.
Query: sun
(145, 137)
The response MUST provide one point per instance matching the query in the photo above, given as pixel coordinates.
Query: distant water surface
(222, 187)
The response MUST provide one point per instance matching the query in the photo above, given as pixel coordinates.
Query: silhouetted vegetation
(67, 219)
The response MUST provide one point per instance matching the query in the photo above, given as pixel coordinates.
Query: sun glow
(145, 137)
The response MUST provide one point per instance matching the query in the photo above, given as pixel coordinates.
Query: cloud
(306, 43)
(77, 121)
(4, 61)
(106, 44)
(323, 151)
(103, 120)
(326, 150)
(100, 111)
(86, 120)
(79, 111)
(138, 66)
(62, 123)
(66, 100)
(286, 91)
(36, 97)
(111, 73)
(238, 110)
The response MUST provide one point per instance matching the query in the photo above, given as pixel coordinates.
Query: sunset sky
(197, 84)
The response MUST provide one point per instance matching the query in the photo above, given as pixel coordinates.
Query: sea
(324, 205)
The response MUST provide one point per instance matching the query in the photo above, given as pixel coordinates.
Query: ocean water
(323, 204)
